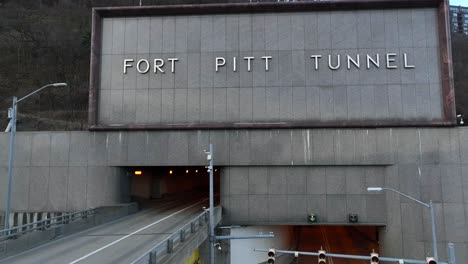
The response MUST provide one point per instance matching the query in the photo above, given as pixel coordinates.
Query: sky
(459, 2)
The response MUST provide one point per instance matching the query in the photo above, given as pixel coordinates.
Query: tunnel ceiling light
(186, 171)
(138, 172)
(196, 171)
(170, 172)
(216, 169)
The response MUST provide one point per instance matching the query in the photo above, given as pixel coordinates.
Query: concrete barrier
(184, 250)
(2, 219)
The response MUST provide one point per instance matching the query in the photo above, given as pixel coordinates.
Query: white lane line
(78, 234)
(75, 235)
(131, 234)
(328, 246)
(325, 241)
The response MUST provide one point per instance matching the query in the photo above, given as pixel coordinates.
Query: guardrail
(44, 224)
(165, 247)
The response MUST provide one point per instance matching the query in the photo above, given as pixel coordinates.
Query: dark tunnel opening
(171, 182)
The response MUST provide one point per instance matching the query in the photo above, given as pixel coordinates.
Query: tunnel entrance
(150, 183)
(338, 239)
(352, 240)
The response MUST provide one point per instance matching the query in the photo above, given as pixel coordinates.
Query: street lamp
(209, 157)
(12, 128)
(429, 205)
(212, 236)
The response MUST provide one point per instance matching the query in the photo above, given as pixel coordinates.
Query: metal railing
(44, 224)
(166, 246)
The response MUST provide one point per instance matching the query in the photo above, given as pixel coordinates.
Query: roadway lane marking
(75, 235)
(131, 234)
(327, 243)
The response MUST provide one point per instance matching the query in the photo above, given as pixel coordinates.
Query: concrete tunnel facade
(289, 140)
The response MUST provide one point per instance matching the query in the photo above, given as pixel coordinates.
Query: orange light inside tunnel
(186, 171)
(138, 172)
(170, 172)
(196, 171)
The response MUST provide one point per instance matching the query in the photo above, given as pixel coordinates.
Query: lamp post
(12, 127)
(429, 205)
(212, 236)
(209, 157)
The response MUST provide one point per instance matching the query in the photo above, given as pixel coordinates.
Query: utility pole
(451, 253)
(209, 156)
(10, 162)
(213, 238)
(428, 205)
(12, 128)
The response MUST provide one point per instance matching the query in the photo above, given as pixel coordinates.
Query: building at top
(306, 103)
(459, 19)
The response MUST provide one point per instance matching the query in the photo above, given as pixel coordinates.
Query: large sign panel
(290, 69)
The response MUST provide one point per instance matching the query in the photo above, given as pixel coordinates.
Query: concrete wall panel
(454, 222)
(258, 181)
(97, 149)
(40, 149)
(21, 188)
(117, 145)
(297, 180)
(277, 181)
(60, 149)
(58, 189)
(77, 188)
(336, 208)
(137, 147)
(96, 186)
(297, 208)
(258, 208)
(79, 143)
(3, 183)
(239, 208)
(23, 146)
(431, 188)
(38, 188)
(451, 181)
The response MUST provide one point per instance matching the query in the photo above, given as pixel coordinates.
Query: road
(121, 241)
(353, 240)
